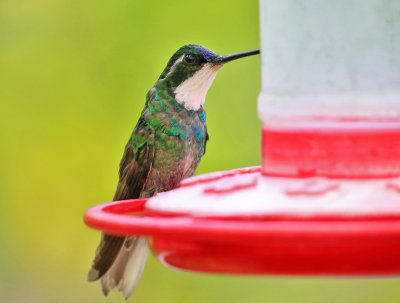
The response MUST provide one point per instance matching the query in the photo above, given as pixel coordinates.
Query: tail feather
(127, 268)
(106, 253)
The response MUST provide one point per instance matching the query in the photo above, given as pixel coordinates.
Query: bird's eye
(191, 59)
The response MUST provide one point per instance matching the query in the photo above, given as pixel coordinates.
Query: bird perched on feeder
(165, 147)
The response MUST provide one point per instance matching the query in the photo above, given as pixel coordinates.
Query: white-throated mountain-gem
(165, 147)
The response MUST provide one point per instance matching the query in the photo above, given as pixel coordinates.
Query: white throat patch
(192, 92)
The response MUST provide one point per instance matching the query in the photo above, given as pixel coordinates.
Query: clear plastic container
(329, 60)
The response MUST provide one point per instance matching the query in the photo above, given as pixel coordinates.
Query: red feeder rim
(310, 246)
(116, 218)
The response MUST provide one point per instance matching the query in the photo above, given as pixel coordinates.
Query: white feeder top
(329, 59)
(252, 194)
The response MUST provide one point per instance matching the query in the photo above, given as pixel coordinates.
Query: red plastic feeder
(326, 200)
(244, 221)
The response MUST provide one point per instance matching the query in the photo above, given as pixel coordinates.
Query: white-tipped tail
(127, 269)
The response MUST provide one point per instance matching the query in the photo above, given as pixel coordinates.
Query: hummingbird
(165, 147)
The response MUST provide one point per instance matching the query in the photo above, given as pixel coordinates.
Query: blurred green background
(73, 79)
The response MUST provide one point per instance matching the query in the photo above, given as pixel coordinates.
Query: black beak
(228, 58)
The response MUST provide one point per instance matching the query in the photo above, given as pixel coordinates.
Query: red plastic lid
(341, 149)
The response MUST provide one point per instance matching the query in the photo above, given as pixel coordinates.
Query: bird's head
(191, 71)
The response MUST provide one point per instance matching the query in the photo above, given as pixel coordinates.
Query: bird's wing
(136, 163)
(207, 137)
(134, 172)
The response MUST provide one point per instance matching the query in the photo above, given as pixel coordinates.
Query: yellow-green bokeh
(73, 79)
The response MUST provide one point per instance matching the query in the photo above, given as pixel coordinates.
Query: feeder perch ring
(326, 244)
